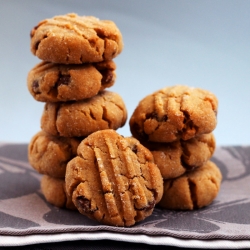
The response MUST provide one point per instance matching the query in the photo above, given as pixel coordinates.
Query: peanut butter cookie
(73, 39)
(113, 179)
(175, 158)
(49, 154)
(172, 113)
(49, 82)
(192, 190)
(75, 119)
(53, 190)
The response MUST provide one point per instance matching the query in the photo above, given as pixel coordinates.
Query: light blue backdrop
(199, 43)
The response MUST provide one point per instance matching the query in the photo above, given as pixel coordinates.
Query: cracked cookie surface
(73, 39)
(54, 192)
(49, 82)
(172, 113)
(192, 190)
(49, 154)
(113, 179)
(81, 118)
(175, 158)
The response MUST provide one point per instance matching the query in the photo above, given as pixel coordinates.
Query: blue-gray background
(200, 43)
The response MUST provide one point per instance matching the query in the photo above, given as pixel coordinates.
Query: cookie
(49, 82)
(53, 190)
(175, 158)
(192, 190)
(74, 119)
(73, 39)
(113, 179)
(172, 113)
(49, 154)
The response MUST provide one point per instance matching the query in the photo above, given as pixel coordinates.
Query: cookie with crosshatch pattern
(173, 113)
(74, 39)
(113, 179)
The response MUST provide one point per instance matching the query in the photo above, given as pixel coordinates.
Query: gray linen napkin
(26, 218)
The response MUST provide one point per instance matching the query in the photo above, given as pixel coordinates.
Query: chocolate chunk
(152, 115)
(35, 87)
(107, 76)
(63, 80)
(164, 118)
(134, 149)
(136, 130)
(150, 206)
(85, 204)
(155, 116)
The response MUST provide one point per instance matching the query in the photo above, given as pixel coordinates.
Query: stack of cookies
(76, 67)
(86, 165)
(176, 124)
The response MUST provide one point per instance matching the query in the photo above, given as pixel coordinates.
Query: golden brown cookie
(175, 158)
(73, 39)
(192, 190)
(49, 154)
(73, 119)
(54, 192)
(49, 82)
(172, 113)
(113, 179)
